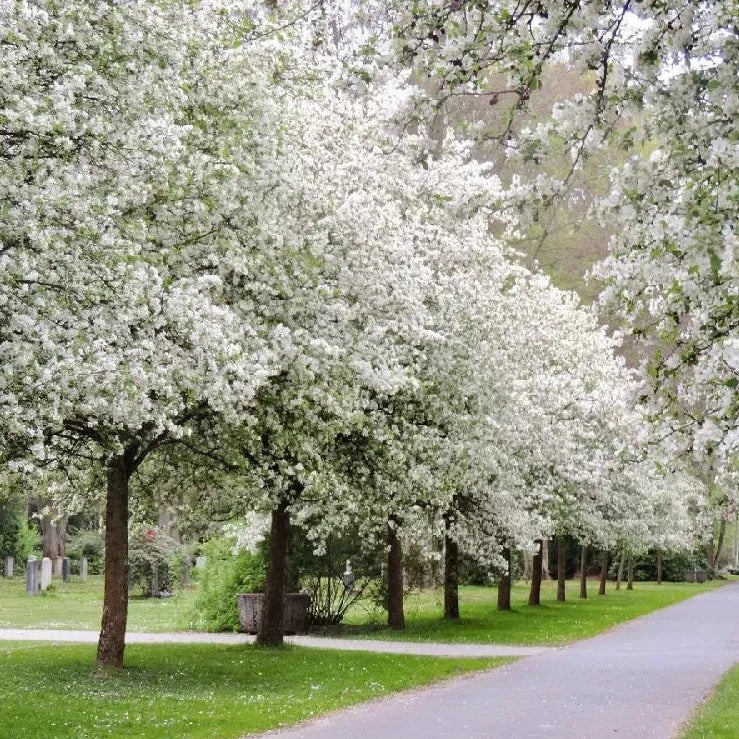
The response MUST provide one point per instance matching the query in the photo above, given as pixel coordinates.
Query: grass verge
(196, 691)
(79, 605)
(551, 623)
(718, 718)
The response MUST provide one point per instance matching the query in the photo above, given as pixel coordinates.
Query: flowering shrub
(150, 558)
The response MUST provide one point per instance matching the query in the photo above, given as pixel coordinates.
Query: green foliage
(320, 575)
(224, 577)
(17, 540)
(471, 572)
(87, 543)
(29, 541)
(316, 573)
(674, 566)
(151, 551)
(572, 556)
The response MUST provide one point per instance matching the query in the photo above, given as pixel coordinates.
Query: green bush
(674, 565)
(320, 575)
(150, 550)
(86, 543)
(223, 578)
(17, 540)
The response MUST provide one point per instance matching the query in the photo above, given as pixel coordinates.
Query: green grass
(79, 605)
(195, 691)
(719, 717)
(551, 623)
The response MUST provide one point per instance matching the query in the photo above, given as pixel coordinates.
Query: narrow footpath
(431, 649)
(642, 680)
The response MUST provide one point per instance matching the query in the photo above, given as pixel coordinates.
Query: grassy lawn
(79, 605)
(719, 717)
(195, 691)
(550, 623)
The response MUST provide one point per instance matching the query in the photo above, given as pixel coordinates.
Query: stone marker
(200, 562)
(31, 576)
(83, 568)
(56, 570)
(9, 566)
(45, 573)
(66, 568)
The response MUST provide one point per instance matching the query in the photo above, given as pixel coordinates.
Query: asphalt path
(642, 680)
(432, 649)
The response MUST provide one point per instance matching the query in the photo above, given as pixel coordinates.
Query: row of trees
(232, 252)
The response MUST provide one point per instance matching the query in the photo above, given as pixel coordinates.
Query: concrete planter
(296, 612)
(696, 576)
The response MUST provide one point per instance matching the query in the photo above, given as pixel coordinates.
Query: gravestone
(45, 573)
(31, 576)
(200, 562)
(83, 568)
(66, 568)
(57, 567)
(9, 566)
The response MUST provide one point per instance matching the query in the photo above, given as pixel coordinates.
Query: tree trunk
(659, 567)
(545, 560)
(53, 531)
(536, 575)
(620, 575)
(561, 590)
(395, 615)
(720, 545)
(630, 583)
(528, 566)
(451, 578)
(603, 574)
(583, 571)
(272, 623)
(112, 639)
(504, 584)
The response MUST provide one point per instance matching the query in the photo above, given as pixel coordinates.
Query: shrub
(150, 552)
(225, 576)
(17, 540)
(87, 543)
(320, 575)
(674, 565)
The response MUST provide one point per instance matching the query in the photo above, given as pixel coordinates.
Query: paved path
(640, 681)
(433, 649)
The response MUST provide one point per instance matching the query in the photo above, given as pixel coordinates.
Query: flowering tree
(672, 273)
(121, 128)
